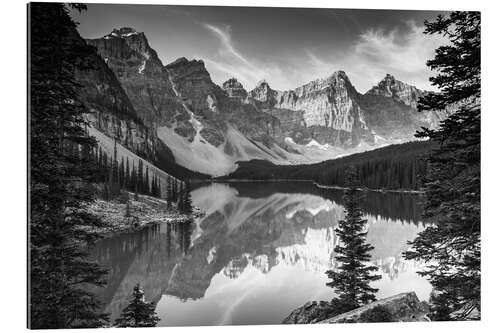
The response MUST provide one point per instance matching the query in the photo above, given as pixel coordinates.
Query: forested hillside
(394, 167)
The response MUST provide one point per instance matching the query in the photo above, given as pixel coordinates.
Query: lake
(260, 252)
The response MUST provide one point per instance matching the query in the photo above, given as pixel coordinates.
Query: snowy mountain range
(177, 118)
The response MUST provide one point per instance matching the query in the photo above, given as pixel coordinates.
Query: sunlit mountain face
(258, 253)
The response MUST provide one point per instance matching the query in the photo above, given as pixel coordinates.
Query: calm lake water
(261, 251)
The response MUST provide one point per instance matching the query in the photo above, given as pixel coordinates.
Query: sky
(288, 47)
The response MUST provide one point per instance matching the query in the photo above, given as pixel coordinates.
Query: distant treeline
(395, 167)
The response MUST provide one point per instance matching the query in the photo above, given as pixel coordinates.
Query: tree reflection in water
(255, 237)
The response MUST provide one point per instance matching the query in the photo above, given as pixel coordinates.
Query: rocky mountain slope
(140, 72)
(324, 110)
(112, 116)
(207, 130)
(390, 110)
(330, 112)
(179, 112)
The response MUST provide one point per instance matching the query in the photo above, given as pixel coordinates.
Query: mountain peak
(179, 61)
(263, 92)
(193, 69)
(400, 91)
(123, 32)
(339, 73)
(388, 80)
(262, 84)
(182, 62)
(232, 83)
(234, 88)
(335, 77)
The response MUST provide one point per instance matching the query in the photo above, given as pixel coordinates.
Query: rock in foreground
(404, 307)
(310, 313)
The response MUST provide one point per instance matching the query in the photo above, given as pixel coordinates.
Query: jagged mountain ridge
(112, 116)
(206, 130)
(209, 128)
(332, 112)
(325, 110)
(137, 66)
(400, 91)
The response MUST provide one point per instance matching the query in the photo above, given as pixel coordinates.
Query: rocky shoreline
(146, 210)
(404, 307)
(334, 187)
(370, 189)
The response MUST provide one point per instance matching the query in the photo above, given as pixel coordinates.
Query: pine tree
(138, 313)
(127, 175)
(152, 187)
(133, 178)
(451, 245)
(158, 187)
(146, 182)
(60, 178)
(155, 187)
(140, 177)
(351, 280)
(121, 174)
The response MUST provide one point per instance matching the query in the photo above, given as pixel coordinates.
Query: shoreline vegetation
(322, 186)
(365, 189)
(146, 210)
(120, 216)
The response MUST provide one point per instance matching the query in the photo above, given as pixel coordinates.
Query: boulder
(309, 313)
(404, 307)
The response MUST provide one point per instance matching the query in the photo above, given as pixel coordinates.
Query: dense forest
(393, 167)
(69, 171)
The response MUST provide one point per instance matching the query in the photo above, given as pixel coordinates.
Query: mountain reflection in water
(261, 251)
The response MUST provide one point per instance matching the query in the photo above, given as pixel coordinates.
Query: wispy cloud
(402, 52)
(231, 61)
(227, 45)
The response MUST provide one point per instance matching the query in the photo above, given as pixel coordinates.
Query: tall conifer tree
(146, 182)
(451, 245)
(138, 313)
(127, 175)
(351, 280)
(60, 178)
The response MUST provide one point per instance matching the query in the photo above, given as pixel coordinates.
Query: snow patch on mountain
(204, 157)
(197, 155)
(141, 68)
(313, 153)
(314, 143)
(211, 254)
